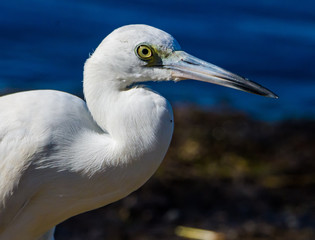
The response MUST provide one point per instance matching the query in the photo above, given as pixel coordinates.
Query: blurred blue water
(44, 44)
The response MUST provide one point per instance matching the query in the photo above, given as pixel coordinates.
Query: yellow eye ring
(144, 52)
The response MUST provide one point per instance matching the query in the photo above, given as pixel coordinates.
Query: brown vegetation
(224, 172)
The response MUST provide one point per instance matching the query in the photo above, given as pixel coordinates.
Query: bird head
(140, 53)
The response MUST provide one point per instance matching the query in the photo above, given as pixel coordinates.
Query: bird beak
(185, 66)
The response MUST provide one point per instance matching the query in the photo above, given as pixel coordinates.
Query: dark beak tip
(276, 96)
(272, 95)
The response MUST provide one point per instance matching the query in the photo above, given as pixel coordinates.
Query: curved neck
(133, 117)
(101, 91)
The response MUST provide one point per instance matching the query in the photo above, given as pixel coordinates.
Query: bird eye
(144, 52)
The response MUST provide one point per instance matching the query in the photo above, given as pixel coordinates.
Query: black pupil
(145, 51)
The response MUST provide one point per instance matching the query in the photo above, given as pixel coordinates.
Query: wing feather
(29, 122)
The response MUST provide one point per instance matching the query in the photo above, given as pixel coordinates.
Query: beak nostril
(190, 63)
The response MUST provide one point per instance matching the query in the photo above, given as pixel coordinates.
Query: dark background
(239, 164)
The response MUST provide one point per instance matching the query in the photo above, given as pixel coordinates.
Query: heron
(61, 156)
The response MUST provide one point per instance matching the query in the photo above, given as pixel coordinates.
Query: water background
(43, 45)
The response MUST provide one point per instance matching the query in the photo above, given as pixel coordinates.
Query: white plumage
(60, 156)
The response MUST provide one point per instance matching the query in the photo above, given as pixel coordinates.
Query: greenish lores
(149, 54)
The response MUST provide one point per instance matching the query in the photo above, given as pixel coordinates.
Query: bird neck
(133, 118)
(101, 91)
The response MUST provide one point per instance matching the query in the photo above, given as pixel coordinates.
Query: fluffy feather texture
(60, 156)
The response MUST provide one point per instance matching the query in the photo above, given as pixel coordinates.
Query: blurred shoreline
(221, 105)
(225, 172)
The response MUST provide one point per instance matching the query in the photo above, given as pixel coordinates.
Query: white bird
(61, 156)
